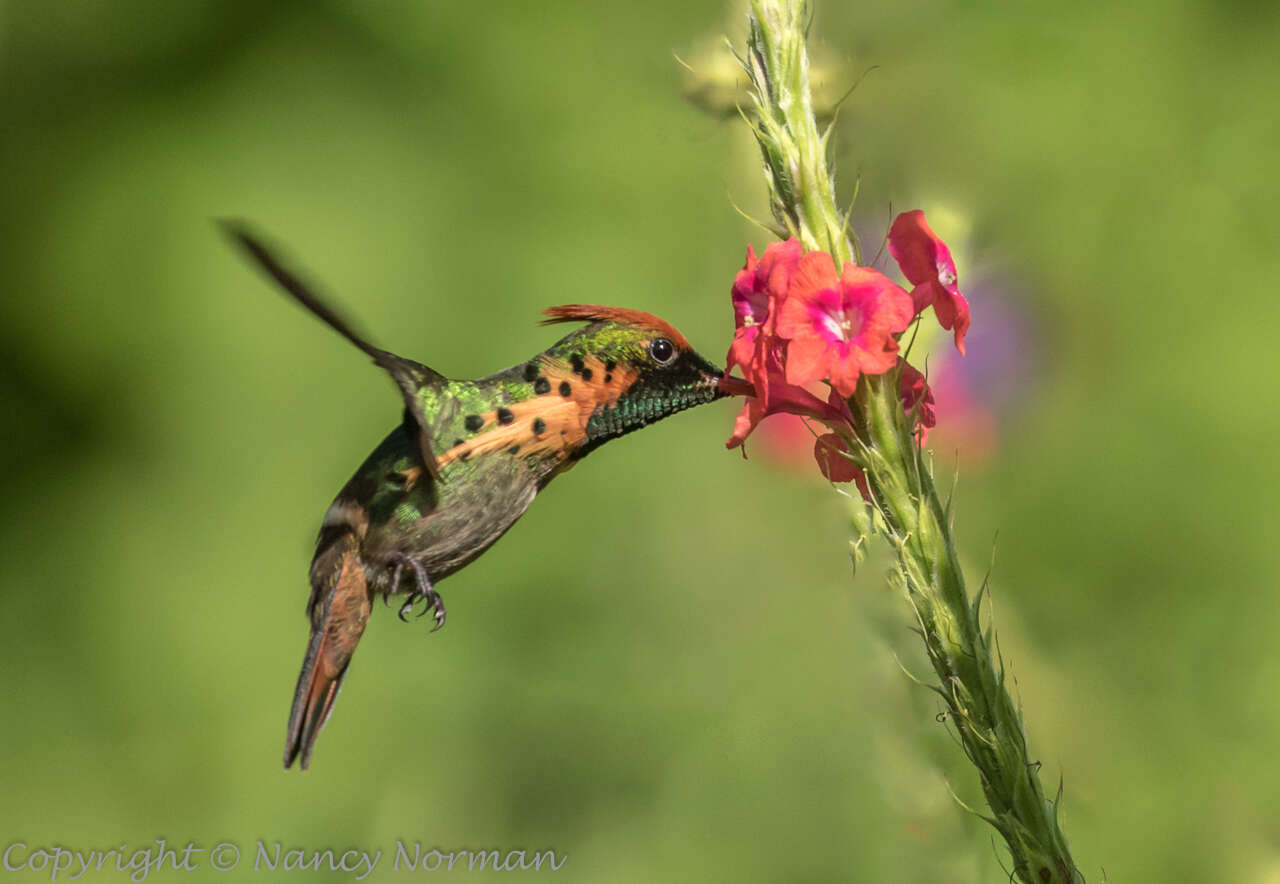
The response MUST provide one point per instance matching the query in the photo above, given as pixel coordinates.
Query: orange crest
(596, 313)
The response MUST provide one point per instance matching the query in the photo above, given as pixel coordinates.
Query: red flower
(798, 323)
(757, 290)
(840, 327)
(913, 390)
(926, 261)
(778, 397)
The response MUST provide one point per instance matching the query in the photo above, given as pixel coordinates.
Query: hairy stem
(801, 190)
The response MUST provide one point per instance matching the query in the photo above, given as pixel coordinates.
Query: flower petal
(752, 413)
(743, 349)
(841, 327)
(926, 261)
(953, 313)
(807, 359)
(919, 252)
(917, 399)
(743, 287)
(892, 304)
(832, 454)
(779, 264)
(814, 277)
(782, 397)
(757, 289)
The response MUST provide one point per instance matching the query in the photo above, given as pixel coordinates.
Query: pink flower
(757, 290)
(840, 327)
(914, 391)
(926, 261)
(779, 397)
(798, 323)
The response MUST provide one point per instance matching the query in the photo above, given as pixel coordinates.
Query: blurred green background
(665, 672)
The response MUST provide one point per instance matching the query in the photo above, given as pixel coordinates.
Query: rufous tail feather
(340, 610)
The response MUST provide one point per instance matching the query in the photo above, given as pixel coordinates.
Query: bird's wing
(409, 376)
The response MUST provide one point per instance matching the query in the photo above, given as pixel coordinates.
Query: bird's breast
(446, 525)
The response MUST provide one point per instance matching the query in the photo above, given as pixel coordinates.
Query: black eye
(662, 351)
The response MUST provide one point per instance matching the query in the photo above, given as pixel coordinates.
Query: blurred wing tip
(236, 228)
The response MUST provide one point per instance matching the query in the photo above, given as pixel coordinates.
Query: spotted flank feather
(553, 423)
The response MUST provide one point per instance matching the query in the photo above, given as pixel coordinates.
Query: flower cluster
(802, 322)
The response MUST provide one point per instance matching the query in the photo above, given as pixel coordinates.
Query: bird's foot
(424, 591)
(435, 604)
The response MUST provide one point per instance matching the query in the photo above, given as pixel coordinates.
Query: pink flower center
(839, 324)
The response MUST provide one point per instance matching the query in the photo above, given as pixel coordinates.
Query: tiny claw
(435, 604)
(407, 608)
(423, 592)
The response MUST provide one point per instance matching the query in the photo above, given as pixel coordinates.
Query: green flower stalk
(801, 191)
(807, 311)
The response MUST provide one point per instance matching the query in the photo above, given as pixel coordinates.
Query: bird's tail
(339, 609)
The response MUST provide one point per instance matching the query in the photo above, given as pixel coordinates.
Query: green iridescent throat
(645, 407)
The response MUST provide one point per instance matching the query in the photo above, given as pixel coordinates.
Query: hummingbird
(464, 463)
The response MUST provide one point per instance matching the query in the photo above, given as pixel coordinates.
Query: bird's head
(621, 371)
(626, 368)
